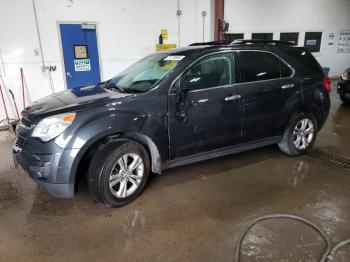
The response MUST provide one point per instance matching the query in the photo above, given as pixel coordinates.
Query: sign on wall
(344, 42)
(82, 65)
(331, 38)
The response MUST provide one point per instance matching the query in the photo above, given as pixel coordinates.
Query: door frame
(58, 23)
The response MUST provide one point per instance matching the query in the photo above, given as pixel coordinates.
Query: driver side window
(211, 71)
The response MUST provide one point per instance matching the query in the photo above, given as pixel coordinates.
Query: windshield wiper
(109, 85)
(118, 88)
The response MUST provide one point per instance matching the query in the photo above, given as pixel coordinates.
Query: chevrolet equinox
(173, 108)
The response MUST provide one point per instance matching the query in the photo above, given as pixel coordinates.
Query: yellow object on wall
(165, 47)
(164, 33)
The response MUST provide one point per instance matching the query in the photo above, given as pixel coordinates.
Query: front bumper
(343, 87)
(47, 170)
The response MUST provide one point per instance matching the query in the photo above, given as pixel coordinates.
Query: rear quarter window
(304, 62)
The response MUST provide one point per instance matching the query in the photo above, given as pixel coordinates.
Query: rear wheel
(118, 173)
(299, 135)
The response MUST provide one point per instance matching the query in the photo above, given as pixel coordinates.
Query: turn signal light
(69, 118)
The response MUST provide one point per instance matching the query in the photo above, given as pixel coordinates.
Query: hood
(72, 99)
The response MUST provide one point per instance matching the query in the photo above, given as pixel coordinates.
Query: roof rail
(220, 42)
(246, 42)
(262, 42)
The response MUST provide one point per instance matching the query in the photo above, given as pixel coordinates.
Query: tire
(345, 99)
(106, 169)
(289, 143)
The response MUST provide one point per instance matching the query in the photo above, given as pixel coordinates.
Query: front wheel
(118, 173)
(299, 135)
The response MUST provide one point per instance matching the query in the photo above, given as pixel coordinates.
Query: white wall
(127, 31)
(275, 16)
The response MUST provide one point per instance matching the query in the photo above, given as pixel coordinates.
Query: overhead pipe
(23, 94)
(14, 102)
(204, 14)
(179, 13)
(41, 47)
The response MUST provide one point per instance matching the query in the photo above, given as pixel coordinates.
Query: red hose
(23, 97)
(3, 101)
(14, 101)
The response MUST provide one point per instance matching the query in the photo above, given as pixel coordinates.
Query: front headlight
(53, 126)
(345, 76)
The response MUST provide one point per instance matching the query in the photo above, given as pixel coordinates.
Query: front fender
(87, 130)
(119, 125)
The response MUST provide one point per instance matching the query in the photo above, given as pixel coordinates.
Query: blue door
(80, 54)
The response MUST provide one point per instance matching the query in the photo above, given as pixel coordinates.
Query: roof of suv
(297, 57)
(224, 45)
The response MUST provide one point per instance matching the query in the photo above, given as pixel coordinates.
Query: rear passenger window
(211, 71)
(257, 66)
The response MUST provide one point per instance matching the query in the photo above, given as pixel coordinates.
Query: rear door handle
(232, 97)
(287, 86)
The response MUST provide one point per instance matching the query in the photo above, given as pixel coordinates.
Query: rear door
(269, 89)
(205, 107)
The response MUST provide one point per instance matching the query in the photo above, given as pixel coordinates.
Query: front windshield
(144, 74)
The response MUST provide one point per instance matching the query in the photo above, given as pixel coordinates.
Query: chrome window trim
(170, 91)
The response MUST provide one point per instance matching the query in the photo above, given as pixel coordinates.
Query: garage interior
(191, 213)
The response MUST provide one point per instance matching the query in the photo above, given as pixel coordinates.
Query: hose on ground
(328, 254)
(336, 248)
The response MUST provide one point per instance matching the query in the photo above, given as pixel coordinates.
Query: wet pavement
(191, 213)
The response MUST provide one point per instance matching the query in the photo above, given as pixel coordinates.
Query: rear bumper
(47, 171)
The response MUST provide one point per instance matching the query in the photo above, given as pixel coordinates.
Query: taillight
(327, 84)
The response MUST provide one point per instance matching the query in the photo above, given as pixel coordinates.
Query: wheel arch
(86, 152)
(315, 111)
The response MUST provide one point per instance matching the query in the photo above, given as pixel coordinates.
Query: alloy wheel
(303, 134)
(126, 175)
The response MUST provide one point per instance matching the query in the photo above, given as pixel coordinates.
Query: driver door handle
(232, 97)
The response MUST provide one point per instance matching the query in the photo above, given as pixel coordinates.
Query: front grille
(19, 142)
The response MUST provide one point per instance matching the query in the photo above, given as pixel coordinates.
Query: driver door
(205, 107)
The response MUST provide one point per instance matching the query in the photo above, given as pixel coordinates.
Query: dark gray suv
(173, 108)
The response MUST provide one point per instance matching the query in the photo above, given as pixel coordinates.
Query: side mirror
(182, 86)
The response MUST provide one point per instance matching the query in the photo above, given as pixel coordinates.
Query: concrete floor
(191, 213)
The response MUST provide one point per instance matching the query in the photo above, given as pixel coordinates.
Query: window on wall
(262, 36)
(291, 37)
(313, 41)
(233, 37)
(211, 71)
